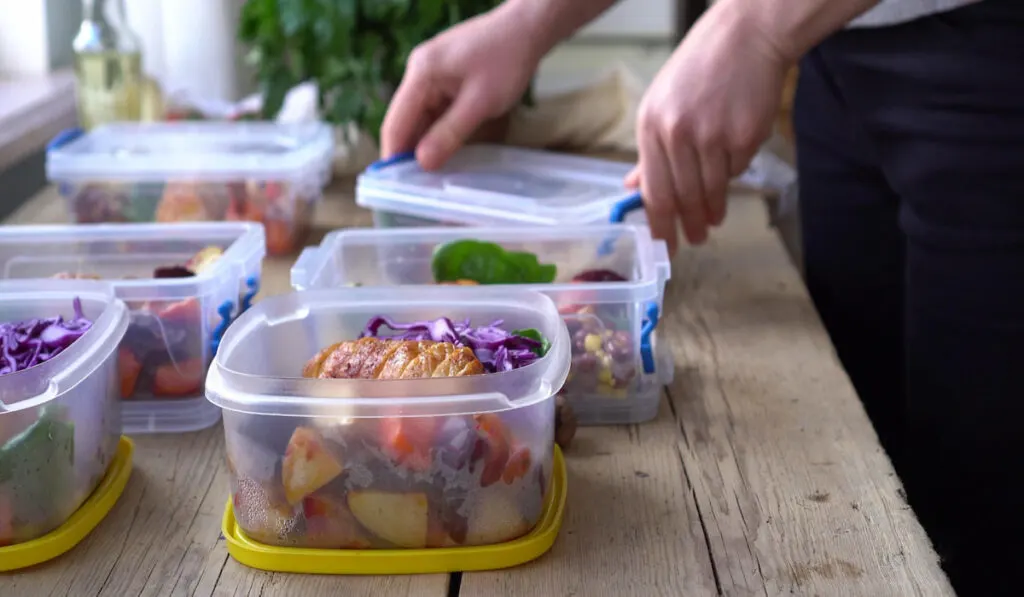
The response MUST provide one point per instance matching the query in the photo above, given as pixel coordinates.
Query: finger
(689, 198)
(657, 190)
(714, 174)
(450, 131)
(632, 179)
(406, 117)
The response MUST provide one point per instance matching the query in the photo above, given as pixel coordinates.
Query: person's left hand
(703, 119)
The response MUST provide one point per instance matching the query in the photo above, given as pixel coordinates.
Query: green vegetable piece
(488, 263)
(534, 334)
(39, 465)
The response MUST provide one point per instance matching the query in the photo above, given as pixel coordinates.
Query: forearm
(548, 22)
(796, 26)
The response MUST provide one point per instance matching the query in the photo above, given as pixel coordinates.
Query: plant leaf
(488, 263)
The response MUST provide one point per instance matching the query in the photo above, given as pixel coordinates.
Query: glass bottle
(108, 65)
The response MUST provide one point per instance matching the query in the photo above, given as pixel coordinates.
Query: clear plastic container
(371, 464)
(617, 375)
(196, 171)
(490, 185)
(176, 323)
(59, 420)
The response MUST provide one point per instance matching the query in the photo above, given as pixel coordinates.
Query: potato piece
(398, 518)
(495, 519)
(308, 465)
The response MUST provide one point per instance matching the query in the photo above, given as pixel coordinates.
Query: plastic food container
(175, 323)
(196, 171)
(59, 421)
(617, 373)
(490, 185)
(385, 465)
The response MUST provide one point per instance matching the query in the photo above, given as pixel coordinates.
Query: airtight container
(366, 464)
(608, 285)
(491, 185)
(59, 420)
(175, 323)
(196, 171)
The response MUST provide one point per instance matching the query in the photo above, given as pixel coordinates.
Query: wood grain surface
(760, 476)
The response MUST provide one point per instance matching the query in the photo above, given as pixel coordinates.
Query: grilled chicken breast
(375, 358)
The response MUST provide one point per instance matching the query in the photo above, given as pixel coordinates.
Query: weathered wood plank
(795, 493)
(631, 528)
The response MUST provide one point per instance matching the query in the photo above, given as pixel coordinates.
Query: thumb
(444, 138)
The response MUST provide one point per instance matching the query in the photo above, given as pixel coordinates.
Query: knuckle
(421, 58)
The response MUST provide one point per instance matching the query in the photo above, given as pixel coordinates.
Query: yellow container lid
(81, 523)
(405, 561)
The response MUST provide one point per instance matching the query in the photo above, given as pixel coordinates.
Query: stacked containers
(196, 171)
(322, 462)
(176, 323)
(487, 185)
(59, 420)
(609, 287)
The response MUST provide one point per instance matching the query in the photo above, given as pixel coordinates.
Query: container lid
(85, 243)
(258, 366)
(23, 299)
(489, 185)
(211, 151)
(406, 561)
(81, 523)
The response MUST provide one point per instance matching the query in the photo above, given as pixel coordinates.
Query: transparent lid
(490, 185)
(21, 300)
(258, 367)
(196, 150)
(114, 251)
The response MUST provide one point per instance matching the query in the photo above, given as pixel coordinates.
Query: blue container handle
(225, 311)
(253, 284)
(64, 137)
(398, 158)
(621, 209)
(646, 329)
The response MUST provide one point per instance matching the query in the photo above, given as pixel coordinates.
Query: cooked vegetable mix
(163, 354)
(604, 358)
(285, 215)
(398, 481)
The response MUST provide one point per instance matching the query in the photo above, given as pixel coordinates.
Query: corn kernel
(592, 343)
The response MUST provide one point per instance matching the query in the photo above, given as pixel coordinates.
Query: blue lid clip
(64, 137)
(646, 329)
(398, 158)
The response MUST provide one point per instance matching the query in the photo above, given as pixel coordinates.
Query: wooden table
(761, 475)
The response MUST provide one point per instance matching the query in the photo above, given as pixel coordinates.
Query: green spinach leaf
(534, 334)
(488, 263)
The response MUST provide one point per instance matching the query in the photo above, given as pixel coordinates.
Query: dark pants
(910, 146)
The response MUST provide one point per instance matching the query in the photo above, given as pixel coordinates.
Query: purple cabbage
(496, 348)
(31, 342)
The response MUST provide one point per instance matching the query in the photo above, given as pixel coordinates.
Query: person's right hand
(474, 72)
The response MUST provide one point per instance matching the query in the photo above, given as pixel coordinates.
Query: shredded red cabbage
(28, 343)
(496, 348)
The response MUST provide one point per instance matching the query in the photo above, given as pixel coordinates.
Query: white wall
(191, 46)
(648, 19)
(23, 37)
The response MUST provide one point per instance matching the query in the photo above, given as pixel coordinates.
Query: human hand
(703, 119)
(453, 83)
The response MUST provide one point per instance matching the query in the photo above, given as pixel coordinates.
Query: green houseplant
(355, 50)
